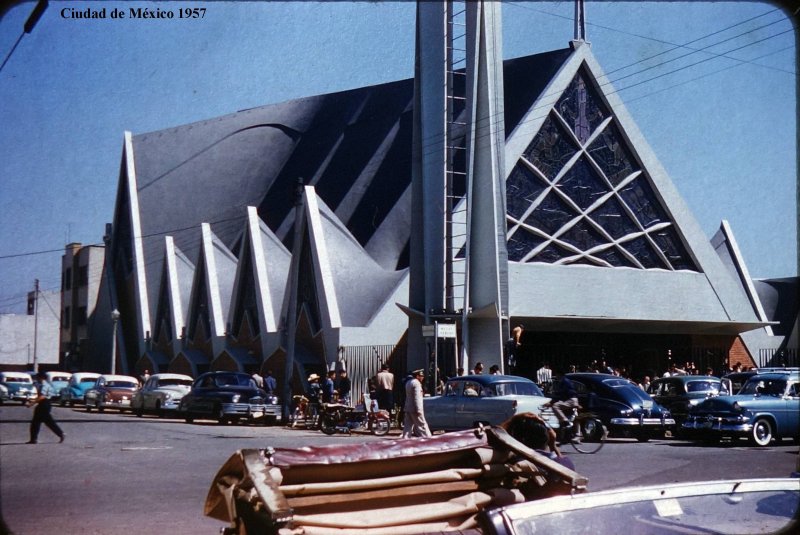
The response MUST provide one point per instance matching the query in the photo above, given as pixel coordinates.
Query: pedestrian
(343, 386)
(41, 414)
(328, 388)
(259, 380)
(477, 370)
(564, 399)
(544, 375)
(145, 376)
(384, 384)
(270, 383)
(494, 369)
(414, 424)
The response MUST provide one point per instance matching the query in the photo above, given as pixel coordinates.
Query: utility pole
(35, 322)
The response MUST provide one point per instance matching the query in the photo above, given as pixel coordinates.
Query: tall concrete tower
(458, 238)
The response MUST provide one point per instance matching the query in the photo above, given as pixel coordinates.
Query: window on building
(578, 194)
(83, 276)
(81, 315)
(68, 279)
(65, 318)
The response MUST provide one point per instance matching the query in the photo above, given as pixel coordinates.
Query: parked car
(735, 506)
(161, 393)
(228, 396)
(470, 400)
(111, 392)
(766, 408)
(58, 380)
(19, 385)
(623, 407)
(735, 381)
(76, 388)
(4, 394)
(679, 392)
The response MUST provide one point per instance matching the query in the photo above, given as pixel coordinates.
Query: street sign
(428, 330)
(446, 330)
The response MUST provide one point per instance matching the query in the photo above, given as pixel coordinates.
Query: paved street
(122, 474)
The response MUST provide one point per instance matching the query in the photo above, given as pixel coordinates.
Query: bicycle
(585, 432)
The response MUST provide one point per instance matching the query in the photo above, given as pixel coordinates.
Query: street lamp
(114, 320)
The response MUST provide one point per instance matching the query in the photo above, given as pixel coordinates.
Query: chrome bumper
(246, 410)
(639, 422)
(719, 425)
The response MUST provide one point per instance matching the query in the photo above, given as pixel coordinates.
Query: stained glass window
(601, 208)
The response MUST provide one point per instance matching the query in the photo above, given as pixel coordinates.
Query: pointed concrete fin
(585, 191)
(352, 284)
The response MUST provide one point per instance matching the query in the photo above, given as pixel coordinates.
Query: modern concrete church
(374, 225)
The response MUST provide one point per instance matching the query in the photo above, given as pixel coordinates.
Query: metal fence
(363, 362)
(773, 357)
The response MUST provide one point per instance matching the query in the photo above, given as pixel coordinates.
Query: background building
(31, 340)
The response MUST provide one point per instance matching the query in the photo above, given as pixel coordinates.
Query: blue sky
(720, 112)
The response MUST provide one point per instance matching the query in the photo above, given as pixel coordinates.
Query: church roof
(354, 146)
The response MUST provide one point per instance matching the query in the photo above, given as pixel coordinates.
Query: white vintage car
(470, 400)
(19, 386)
(161, 394)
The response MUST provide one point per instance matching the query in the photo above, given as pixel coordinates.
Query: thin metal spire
(580, 21)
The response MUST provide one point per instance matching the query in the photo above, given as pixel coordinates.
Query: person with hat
(314, 396)
(414, 424)
(41, 414)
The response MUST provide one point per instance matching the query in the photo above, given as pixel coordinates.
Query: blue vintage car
(623, 407)
(77, 386)
(470, 400)
(766, 408)
(228, 396)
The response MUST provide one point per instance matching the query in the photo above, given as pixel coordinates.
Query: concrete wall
(17, 336)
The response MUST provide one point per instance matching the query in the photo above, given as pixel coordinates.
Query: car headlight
(167, 396)
(693, 402)
(626, 412)
(235, 398)
(273, 400)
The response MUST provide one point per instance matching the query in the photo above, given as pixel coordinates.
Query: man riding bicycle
(564, 398)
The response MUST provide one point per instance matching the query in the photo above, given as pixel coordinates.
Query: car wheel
(642, 436)
(159, 410)
(88, 407)
(71, 403)
(100, 408)
(139, 411)
(761, 435)
(220, 415)
(188, 419)
(61, 403)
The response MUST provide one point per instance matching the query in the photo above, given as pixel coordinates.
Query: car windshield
(616, 382)
(703, 386)
(88, 380)
(764, 387)
(122, 384)
(18, 379)
(175, 382)
(228, 379)
(60, 378)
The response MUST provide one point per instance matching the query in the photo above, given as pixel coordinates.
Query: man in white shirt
(414, 424)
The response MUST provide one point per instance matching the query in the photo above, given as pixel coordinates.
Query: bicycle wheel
(328, 424)
(593, 435)
(380, 425)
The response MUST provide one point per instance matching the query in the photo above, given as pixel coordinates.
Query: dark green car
(680, 392)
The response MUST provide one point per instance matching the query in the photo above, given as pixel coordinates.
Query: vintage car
(735, 381)
(735, 506)
(76, 388)
(623, 407)
(57, 380)
(679, 392)
(19, 385)
(3, 394)
(469, 400)
(228, 396)
(111, 392)
(161, 393)
(766, 408)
